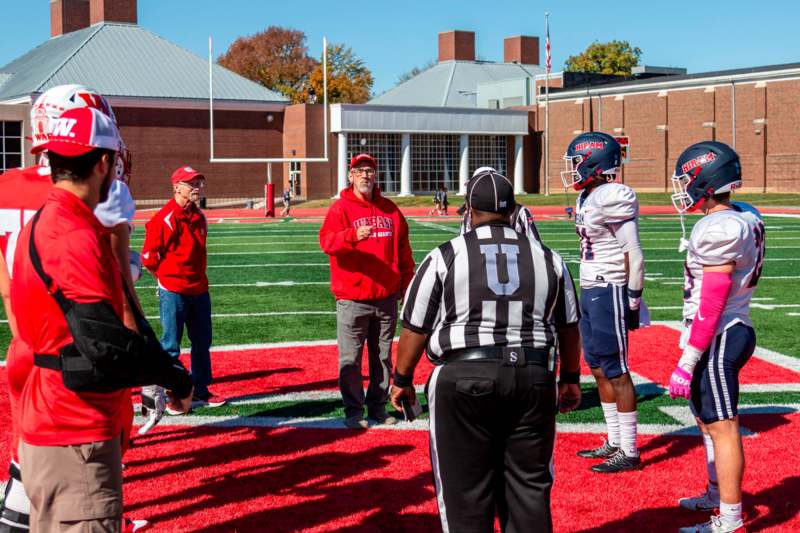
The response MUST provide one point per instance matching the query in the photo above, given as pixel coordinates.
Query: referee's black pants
(492, 430)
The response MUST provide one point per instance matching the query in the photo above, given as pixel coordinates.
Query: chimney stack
(457, 45)
(68, 15)
(113, 11)
(521, 49)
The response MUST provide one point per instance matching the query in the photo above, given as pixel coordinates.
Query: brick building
(755, 110)
(159, 93)
(434, 129)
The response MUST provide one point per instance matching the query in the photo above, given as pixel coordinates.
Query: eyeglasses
(364, 171)
(194, 185)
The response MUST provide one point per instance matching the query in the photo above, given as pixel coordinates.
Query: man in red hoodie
(175, 253)
(366, 237)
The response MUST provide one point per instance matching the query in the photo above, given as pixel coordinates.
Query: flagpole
(547, 108)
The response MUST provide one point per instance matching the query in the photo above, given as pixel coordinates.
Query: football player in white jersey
(723, 263)
(612, 280)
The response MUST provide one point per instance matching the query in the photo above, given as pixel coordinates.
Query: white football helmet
(55, 101)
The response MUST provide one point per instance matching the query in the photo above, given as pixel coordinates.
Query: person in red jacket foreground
(175, 253)
(366, 237)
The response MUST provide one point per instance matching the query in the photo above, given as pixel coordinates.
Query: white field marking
(792, 314)
(293, 397)
(288, 283)
(772, 307)
(274, 265)
(250, 315)
(434, 225)
(663, 280)
(784, 361)
(3, 362)
(782, 215)
(770, 387)
(665, 308)
(416, 425)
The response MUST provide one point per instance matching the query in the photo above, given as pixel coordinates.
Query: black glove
(632, 318)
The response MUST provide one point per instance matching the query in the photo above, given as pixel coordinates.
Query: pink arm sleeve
(713, 297)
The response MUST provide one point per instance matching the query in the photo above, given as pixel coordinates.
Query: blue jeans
(195, 312)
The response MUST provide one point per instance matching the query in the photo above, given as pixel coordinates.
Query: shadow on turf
(255, 374)
(769, 508)
(327, 486)
(668, 448)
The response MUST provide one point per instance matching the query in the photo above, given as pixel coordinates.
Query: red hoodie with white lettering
(377, 267)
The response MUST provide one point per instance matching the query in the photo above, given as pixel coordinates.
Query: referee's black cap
(490, 191)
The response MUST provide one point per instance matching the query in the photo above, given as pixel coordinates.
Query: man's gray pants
(373, 321)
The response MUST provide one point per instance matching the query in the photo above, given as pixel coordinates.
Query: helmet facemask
(681, 200)
(570, 176)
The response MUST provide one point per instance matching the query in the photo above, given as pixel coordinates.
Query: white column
(519, 166)
(463, 167)
(342, 181)
(405, 165)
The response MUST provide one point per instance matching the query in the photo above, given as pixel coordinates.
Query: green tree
(349, 80)
(613, 57)
(404, 77)
(276, 58)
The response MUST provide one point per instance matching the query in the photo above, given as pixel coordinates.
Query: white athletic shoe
(703, 502)
(714, 525)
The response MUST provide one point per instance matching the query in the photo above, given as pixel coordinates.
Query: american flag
(547, 61)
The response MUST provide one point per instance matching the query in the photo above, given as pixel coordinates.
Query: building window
(487, 151)
(10, 145)
(295, 178)
(385, 148)
(434, 162)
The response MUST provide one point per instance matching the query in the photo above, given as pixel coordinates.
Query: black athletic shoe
(619, 462)
(603, 452)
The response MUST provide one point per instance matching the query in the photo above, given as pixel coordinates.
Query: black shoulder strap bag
(104, 355)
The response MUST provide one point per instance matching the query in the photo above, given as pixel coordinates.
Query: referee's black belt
(515, 355)
(51, 362)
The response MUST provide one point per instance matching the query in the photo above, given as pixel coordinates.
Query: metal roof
(128, 61)
(452, 83)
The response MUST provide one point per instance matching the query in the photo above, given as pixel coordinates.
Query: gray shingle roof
(452, 83)
(124, 60)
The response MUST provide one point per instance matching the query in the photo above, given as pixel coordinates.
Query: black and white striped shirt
(490, 287)
(521, 220)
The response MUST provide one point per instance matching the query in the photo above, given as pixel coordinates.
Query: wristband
(401, 380)
(571, 378)
(635, 294)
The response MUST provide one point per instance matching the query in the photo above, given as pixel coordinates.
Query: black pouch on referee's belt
(104, 355)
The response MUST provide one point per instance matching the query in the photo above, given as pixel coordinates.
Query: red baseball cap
(363, 158)
(81, 130)
(186, 174)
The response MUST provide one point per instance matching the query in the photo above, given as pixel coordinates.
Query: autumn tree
(349, 80)
(276, 58)
(614, 57)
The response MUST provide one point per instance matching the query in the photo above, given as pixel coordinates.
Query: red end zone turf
(215, 479)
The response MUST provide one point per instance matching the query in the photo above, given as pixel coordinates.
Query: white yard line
(287, 283)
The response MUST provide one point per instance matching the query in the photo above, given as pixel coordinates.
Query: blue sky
(393, 37)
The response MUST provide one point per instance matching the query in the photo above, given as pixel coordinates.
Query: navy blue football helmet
(591, 156)
(703, 170)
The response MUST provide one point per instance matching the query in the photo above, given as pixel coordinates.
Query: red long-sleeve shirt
(376, 267)
(175, 248)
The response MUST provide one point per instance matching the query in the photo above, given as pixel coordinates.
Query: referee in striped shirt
(493, 307)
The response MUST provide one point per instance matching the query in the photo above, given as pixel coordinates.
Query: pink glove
(680, 383)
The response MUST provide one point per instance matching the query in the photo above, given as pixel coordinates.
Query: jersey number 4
(587, 253)
(760, 242)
